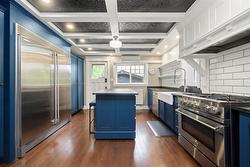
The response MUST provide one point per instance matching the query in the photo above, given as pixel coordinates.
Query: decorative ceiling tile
(136, 49)
(154, 5)
(140, 41)
(84, 27)
(70, 5)
(132, 27)
(91, 41)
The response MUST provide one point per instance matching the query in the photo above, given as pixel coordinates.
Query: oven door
(205, 135)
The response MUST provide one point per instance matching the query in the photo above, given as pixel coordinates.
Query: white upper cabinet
(207, 16)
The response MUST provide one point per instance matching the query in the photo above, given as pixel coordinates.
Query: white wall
(230, 71)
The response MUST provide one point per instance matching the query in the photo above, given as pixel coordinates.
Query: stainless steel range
(204, 122)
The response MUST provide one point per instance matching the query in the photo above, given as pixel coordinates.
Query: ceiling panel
(69, 5)
(140, 41)
(91, 41)
(131, 27)
(136, 49)
(100, 49)
(154, 5)
(84, 27)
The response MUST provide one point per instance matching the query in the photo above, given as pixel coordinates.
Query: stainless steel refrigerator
(43, 84)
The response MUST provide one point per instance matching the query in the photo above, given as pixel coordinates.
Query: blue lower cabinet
(1, 124)
(150, 99)
(168, 115)
(1, 45)
(244, 140)
(162, 108)
(74, 88)
(175, 114)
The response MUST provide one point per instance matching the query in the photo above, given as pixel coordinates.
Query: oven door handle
(218, 128)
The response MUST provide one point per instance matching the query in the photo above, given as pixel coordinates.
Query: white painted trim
(141, 108)
(122, 35)
(123, 46)
(111, 6)
(105, 17)
(74, 17)
(150, 17)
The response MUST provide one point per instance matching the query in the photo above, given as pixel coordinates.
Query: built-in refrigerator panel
(43, 90)
(37, 89)
(64, 86)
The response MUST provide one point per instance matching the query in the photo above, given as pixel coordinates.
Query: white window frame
(130, 84)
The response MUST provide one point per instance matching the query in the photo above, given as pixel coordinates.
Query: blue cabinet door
(244, 140)
(175, 114)
(1, 45)
(80, 83)
(105, 118)
(161, 108)
(150, 99)
(125, 117)
(74, 88)
(1, 83)
(169, 115)
(1, 124)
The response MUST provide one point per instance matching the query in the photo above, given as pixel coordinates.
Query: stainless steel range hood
(231, 42)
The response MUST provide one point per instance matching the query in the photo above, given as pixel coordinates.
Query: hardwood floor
(72, 146)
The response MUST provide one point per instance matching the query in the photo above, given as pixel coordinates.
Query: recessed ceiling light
(82, 40)
(89, 48)
(177, 36)
(158, 53)
(166, 46)
(46, 1)
(70, 26)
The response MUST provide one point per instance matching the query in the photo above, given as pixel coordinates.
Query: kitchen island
(115, 114)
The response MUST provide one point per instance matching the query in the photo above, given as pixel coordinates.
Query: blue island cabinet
(115, 116)
(244, 140)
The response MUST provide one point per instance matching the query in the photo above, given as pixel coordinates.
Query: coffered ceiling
(89, 25)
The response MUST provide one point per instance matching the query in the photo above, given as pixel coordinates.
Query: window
(130, 74)
(98, 71)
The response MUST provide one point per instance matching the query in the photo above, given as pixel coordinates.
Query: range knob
(215, 110)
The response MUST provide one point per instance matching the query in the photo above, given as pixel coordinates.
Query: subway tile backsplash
(230, 72)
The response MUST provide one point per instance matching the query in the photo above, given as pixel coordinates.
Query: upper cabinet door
(1, 45)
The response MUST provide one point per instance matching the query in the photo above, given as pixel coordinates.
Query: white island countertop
(116, 92)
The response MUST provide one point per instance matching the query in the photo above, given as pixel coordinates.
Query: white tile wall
(230, 72)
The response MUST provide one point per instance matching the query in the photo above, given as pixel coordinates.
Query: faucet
(185, 75)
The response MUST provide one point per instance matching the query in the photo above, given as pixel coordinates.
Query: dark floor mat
(159, 129)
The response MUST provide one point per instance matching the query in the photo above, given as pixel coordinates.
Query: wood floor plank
(72, 146)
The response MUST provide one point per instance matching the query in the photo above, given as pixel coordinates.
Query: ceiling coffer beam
(121, 36)
(105, 17)
(150, 17)
(123, 46)
(75, 17)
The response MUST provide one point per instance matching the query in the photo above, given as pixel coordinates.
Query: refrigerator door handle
(58, 90)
